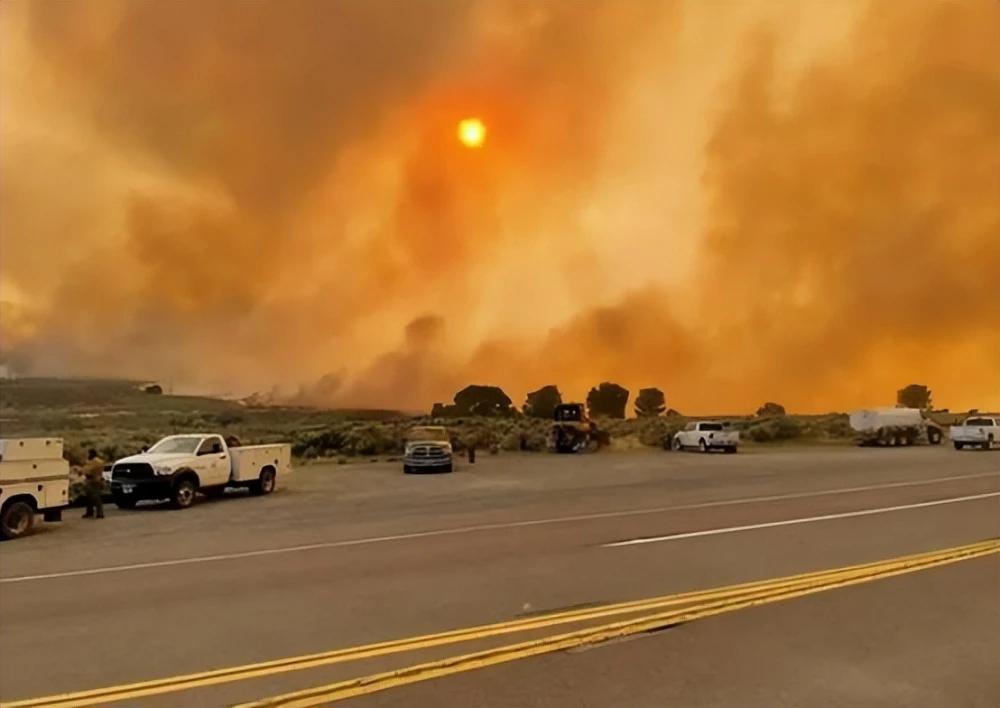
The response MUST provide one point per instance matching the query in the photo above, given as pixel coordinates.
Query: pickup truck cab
(976, 431)
(34, 479)
(180, 466)
(706, 436)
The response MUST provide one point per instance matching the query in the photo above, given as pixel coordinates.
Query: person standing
(93, 485)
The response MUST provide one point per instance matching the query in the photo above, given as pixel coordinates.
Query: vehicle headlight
(162, 470)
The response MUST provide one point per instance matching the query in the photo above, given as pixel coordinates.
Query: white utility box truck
(180, 466)
(34, 479)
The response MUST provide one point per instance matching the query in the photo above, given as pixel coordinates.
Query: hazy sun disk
(471, 132)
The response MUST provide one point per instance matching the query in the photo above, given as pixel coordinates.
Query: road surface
(536, 546)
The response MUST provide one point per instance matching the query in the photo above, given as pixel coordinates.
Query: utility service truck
(976, 431)
(180, 466)
(34, 479)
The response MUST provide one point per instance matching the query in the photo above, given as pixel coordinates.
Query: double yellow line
(694, 605)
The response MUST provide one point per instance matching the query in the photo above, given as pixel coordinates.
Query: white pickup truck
(180, 466)
(976, 432)
(706, 436)
(34, 479)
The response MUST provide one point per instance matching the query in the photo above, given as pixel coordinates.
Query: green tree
(650, 403)
(542, 403)
(914, 396)
(770, 409)
(608, 399)
(483, 401)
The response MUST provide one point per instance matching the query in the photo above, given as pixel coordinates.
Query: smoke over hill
(778, 203)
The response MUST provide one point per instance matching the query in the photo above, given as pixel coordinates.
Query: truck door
(213, 462)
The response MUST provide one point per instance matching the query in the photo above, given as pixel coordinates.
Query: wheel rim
(185, 494)
(267, 484)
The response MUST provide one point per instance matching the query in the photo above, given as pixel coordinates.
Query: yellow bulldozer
(573, 431)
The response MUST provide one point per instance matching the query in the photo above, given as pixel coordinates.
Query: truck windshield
(182, 444)
(425, 434)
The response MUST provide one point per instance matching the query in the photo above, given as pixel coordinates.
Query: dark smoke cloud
(244, 194)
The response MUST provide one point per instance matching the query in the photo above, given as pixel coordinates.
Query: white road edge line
(480, 527)
(800, 520)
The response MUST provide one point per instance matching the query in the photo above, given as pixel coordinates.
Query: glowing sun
(471, 132)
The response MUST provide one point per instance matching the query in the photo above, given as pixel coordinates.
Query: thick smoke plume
(776, 203)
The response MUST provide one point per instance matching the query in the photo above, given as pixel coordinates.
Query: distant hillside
(89, 394)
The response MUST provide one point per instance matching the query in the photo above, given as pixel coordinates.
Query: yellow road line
(352, 688)
(239, 673)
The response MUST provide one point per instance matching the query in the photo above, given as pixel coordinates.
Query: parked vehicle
(573, 430)
(34, 479)
(705, 436)
(180, 466)
(976, 432)
(428, 449)
(893, 427)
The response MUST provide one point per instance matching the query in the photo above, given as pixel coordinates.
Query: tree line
(607, 399)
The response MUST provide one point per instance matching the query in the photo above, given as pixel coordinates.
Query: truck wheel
(988, 445)
(264, 485)
(183, 494)
(933, 436)
(677, 445)
(125, 501)
(702, 445)
(959, 445)
(16, 519)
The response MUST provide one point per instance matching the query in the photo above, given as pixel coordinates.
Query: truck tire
(183, 493)
(125, 501)
(988, 445)
(265, 483)
(934, 436)
(702, 445)
(959, 445)
(16, 519)
(677, 445)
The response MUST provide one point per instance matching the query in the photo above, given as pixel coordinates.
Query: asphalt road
(350, 555)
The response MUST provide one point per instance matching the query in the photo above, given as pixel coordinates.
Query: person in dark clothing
(93, 485)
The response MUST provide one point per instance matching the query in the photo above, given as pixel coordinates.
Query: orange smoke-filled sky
(738, 202)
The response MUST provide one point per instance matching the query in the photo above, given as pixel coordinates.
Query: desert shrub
(775, 429)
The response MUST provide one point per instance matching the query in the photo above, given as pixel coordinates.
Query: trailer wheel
(16, 519)
(265, 484)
